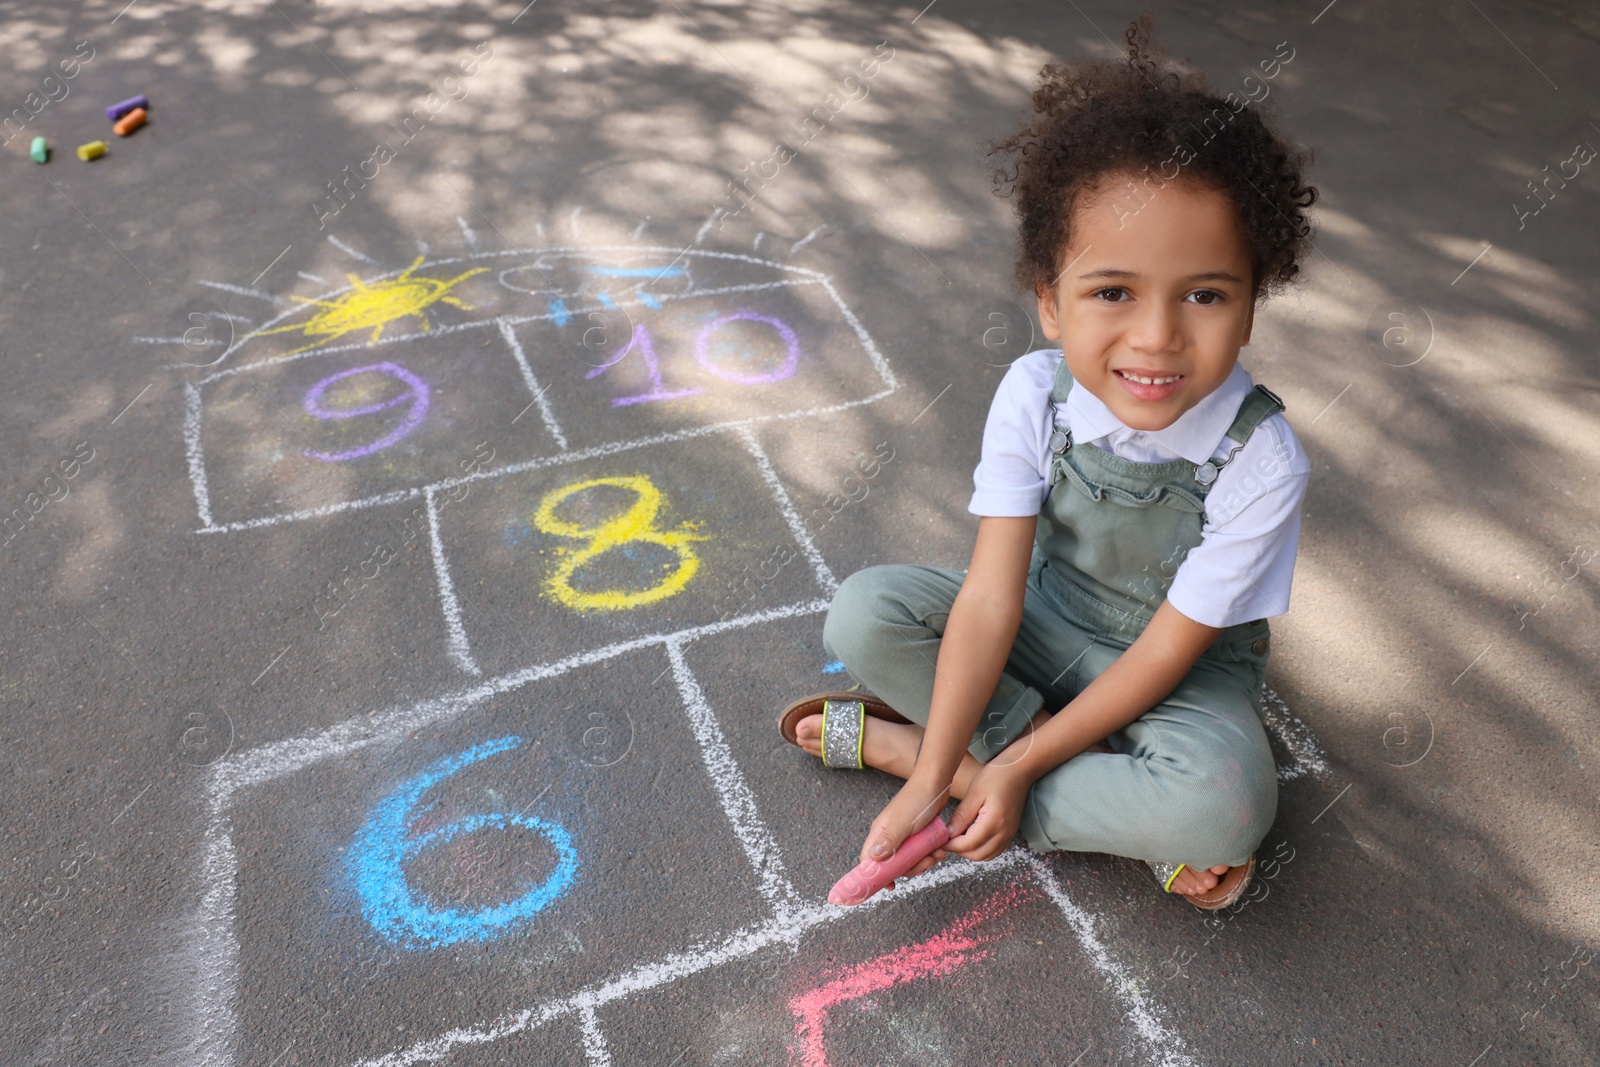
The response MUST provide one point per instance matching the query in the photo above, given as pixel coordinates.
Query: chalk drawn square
(961, 974)
(654, 342)
(554, 561)
(364, 883)
(320, 431)
(795, 791)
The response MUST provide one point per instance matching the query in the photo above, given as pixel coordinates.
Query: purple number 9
(416, 395)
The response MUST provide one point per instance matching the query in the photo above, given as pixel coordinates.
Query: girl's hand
(916, 805)
(988, 818)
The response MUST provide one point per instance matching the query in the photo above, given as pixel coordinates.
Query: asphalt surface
(322, 744)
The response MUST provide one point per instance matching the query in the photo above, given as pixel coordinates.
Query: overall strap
(1257, 405)
(1260, 403)
(1063, 383)
(1060, 438)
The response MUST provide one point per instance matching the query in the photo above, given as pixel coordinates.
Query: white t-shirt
(1244, 564)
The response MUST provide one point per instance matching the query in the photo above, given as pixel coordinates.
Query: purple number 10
(647, 352)
(416, 395)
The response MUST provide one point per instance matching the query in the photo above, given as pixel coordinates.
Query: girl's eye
(1203, 297)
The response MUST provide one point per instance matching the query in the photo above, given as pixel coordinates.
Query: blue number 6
(381, 849)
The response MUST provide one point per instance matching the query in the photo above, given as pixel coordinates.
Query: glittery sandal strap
(1166, 873)
(842, 722)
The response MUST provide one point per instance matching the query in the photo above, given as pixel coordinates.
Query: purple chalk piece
(791, 344)
(116, 111)
(416, 394)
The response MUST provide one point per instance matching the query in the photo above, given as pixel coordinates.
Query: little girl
(1094, 677)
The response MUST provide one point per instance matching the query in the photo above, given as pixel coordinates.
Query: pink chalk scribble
(936, 957)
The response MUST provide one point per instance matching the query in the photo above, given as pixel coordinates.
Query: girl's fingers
(881, 838)
(979, 842)
(970, 835)
(966, 813)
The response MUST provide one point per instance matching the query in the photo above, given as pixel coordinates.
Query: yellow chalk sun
(376, 306)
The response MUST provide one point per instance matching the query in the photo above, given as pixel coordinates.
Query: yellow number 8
(638, 523)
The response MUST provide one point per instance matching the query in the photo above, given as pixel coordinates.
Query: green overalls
(1193, 780)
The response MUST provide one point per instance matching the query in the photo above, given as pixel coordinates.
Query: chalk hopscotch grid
(459, 645)
(504, 324)
(215, 1008)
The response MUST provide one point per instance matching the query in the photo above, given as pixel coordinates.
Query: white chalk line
(215, 943)
(610, 448)
(258, 294)
(819, 568)
(882, 365)
(807, 239)
(1296, 737)
(738, 801)
(595, 1053)
(460, 650)
(705, 228)
(545, 411)
(786, 928)
(1164, 1047)
(393, 497)
(178, 341)
(351, 252)
(468, 232)
(194, 453)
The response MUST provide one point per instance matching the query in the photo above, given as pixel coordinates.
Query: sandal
(1227, 891)
(843, 718)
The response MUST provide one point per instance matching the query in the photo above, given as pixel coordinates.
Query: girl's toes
(808, 731)
(1191, 881)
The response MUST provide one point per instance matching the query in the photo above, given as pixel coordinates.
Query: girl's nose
(1156, 329)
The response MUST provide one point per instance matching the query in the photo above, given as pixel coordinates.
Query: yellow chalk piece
(375, 306)
(92, 150)
(637, 524)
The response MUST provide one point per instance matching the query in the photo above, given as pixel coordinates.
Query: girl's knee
(1231, 816)
(859, 610)
(850, 613)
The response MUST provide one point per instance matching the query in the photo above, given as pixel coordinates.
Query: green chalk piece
(40, 151)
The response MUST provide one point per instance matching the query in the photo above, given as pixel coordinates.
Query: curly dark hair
(1100, 119)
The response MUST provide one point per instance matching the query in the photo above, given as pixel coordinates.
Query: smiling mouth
(1148, 380)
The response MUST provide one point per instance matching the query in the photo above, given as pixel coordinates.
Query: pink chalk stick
(873, 875)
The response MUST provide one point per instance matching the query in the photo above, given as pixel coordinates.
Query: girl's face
(1155, 301)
